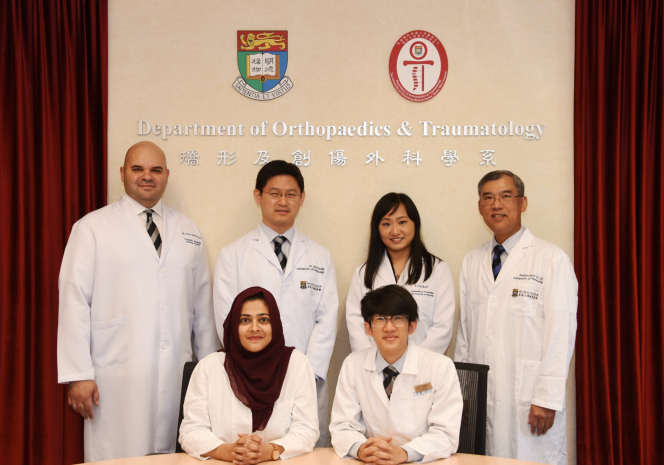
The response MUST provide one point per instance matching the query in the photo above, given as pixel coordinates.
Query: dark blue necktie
(496, 264)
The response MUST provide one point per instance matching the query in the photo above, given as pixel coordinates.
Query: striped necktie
(281, 256)
(389, 375)
(153, 231)
(497, 264)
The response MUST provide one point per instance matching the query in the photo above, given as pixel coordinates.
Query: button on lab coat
(523, 326)
(126, 320)
(213, 415)
(428, 422)
(435, 305)
(306, 291)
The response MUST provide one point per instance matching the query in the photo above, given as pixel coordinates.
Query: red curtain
(53, 102)
(619, 227)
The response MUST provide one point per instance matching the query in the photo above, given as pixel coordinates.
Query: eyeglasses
(505, 199)
(397, 320)
(278, 195)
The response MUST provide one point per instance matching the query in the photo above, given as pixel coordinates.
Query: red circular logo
(418, 66)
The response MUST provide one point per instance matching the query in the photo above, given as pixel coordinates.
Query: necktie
(153, 231)
(389, 375)
(497, 264)
(281, 256)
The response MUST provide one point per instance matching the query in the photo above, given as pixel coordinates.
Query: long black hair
(419, 255)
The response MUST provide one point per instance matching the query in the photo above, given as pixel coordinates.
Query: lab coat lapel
(264, 248)
(385, 273)
(486, 263)
(410, 366)
(517, 255)
(376, 379)
(170, 222)
(128, 217)
(297, 250)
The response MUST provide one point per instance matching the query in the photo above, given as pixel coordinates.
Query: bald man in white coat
(135, 305)
(518, 299)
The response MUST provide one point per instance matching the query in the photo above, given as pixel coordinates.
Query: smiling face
(279, 212)
(144, 173)
(503, 219)
(391, 340)
(255, 330)
(397, 230)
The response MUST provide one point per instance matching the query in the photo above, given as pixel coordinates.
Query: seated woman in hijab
(256, 399)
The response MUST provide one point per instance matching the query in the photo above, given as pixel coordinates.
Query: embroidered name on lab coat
(529, 277)
(317, 269)
(193, 239)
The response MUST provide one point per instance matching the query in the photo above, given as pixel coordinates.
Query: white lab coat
(435, 305)
(306, 291)
(213, 415)
(126, 320)
(523, 326)
(428, 422)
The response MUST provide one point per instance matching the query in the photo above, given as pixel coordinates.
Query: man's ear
(367, 329)
(412, 327)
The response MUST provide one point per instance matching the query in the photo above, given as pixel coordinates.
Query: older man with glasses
(518, 297)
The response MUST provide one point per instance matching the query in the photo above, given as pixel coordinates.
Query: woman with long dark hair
(397, 255)
(256, 399)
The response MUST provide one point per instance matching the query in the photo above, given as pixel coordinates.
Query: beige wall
(174, 62)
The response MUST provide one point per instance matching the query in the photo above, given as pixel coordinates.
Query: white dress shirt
(157, 214)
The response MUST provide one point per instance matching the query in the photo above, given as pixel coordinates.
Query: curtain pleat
(619, 245)
(53, 105)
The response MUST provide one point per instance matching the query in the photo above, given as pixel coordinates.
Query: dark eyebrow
(506, 191)
(152, 168)
(260, 314)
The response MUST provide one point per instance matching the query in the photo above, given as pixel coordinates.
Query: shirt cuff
(356, 447)
(413, 455)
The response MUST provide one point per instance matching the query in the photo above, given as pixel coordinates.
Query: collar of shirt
(381, 363)
(157, 215)
(509, 243)
(271, 234)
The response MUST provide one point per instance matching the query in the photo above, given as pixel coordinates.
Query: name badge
(420, 388)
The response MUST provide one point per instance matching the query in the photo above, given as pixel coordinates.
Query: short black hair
(496, 175)
(278, 168)
(388, 300)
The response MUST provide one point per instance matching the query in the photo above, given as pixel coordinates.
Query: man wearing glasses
(518, 297)
(297, 271)
(395, 402)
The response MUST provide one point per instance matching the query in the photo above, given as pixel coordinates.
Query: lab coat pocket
(524, 300)
(310, 293)
(280, 420)
(110, 341)
(418, 413)
(526, 376)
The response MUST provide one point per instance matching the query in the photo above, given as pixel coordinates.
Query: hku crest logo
(418, 66)
(303, 284)
(262, 57)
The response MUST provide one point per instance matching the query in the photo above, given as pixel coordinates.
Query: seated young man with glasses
(395, 402)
